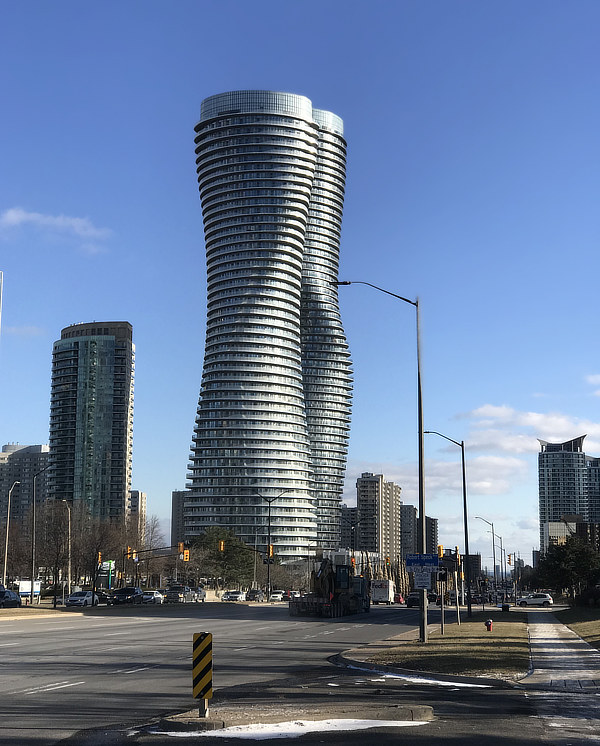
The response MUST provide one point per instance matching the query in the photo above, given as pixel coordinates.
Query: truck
(382, 591)
(335, 590)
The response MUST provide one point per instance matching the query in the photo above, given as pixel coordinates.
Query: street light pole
(270, 500)
(461, 445)
(14, 484)
(422, 538)
(33, 508)
(489, 523)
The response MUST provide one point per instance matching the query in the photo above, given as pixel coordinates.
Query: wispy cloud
(24, 331)
(80, 228)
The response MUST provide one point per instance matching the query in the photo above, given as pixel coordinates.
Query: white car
(536, 599)
(81, 598)
(200, 595)
(234, 596)
(153, 597)
(276, 596)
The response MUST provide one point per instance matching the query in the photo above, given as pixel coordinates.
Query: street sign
(422, 579)
(422, 560)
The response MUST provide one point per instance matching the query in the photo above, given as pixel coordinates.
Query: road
(125, 666)
(128, 664)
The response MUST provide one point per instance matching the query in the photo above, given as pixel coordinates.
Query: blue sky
(472, 183)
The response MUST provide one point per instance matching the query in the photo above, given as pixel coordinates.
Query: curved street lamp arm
(382, 290)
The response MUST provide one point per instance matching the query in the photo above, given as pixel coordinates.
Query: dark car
(104, 597)
(180, 594)
(9, 599)
(255, 594)
(128, 595)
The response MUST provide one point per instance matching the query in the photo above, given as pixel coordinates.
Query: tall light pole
(13, 485)
(33, 508)
(461, 445)
(68, 504)
(422, 542)
(489, 523)
(270, 500)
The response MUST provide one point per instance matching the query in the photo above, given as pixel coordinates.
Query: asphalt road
(126, 665)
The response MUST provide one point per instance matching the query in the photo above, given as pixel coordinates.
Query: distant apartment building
(137, 512)
(26, 465)
(569, 491)
(91, 418)
(411, 528)
(378, 522)
(178, 498)
(349, 528)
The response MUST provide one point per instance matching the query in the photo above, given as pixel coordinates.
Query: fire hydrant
(488, 624)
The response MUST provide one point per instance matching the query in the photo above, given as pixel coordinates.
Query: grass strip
(584, 622)
(468, 649)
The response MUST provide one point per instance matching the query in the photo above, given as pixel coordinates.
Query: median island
(468, 649)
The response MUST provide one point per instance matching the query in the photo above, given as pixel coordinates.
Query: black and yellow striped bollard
(202, 670)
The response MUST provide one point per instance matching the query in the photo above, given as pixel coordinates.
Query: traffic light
(440, 550)
(510, 559)
(186, 555)
(134, 556)
(180, 547)
(221, 546)
(99, 558)
(128, 555)
(271, 550)
(352, 561)
(387, 562)
(457, 555)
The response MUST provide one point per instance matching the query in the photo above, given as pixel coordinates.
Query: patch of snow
(423, 680)
(291, 728)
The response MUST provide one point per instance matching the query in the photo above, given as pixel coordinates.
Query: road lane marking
(54, 688)
(8, 644)
(112, 634)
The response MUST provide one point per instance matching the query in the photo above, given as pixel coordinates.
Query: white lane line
(112, 634)
(50, 688)
(54, 629)
(8, 644)
(257, 629)
(134, 670)
(244, 648)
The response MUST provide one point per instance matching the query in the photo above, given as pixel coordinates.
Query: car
(398, 598)
(276, 596)
(128, 595)
(233, 596)
(255, 594)
(105, 597)
(180, 594)
(536, 599)
(9, 599)
(152, 597)
(81, 598)
(200, 595)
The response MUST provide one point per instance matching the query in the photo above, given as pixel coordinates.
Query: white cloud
(80, 228)
(593, 379)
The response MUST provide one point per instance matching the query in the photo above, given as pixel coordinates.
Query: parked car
(398, 598)
(180, 594)
(81, 598)
(233, 596)
(128, 595)
(536, 599)
(152, 597)
(276, 596)
(9, 599)
(105, 597)
(200, 595)
(255, 595)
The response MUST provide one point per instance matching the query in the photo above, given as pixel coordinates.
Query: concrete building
(272, 421)
(349, 528)
(26, 465)
(91, 418)
(378, 515)
(178, 498)
(410, 531)
(136, 511)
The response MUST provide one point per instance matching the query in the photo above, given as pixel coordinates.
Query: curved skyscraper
(274, 410)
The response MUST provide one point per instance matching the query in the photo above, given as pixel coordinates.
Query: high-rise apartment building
(273, 415)
(569, 490)
(378, 512)
(411, 529)
(28, 466)
(136, 512)
(91, 418)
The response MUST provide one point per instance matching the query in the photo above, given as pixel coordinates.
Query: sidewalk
(560, 659)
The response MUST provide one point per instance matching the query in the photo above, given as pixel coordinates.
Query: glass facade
(274, 408)
(91, 417)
